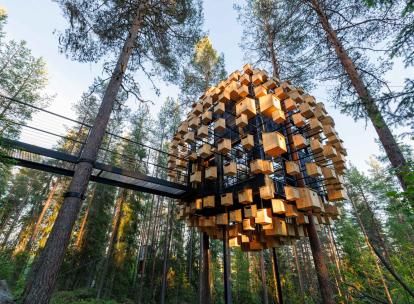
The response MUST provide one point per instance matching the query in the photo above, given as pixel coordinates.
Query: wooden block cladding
(183, 128)
(328, 173)
(260, 91)
(316, 145)
(207, 102)
(278, 206)
(230, 168)
(247, 141)
(264, 216)
(258, 166)
(245, 238)
(224, 145)
(302, 218)
(207, 117)
(205, 151)
(313, 170)
(306, 110)
(274, 143)
(249, 224)
(242, 121)
(208, 201)
(243, 91)
(292, 168)
(329, 151)
(202, 131)
(267, 192)
(315, 125)
(269, 104)
(337, 195)
(308, 199)
(207, 221)
(220, 125)
(226, 199)
(245, 196)
(222, 219)
(235, 242)
(250, 211)
(290, 104)
(248, 69)
(291, 193)
(298, 120)
(236, 216)
(291, 210)
(299, 141)
(246, 106)
(257, 78)
(194, 122)
(244, 79)
(198, 203)
(192, 156)
(328, 130)
(189, 137)
(270, 84)
(211, 172)
(278, 116)
(197, 108)
(195, 177)
(219, 108)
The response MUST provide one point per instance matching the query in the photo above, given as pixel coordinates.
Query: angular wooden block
(316, 145)
(220, 125)
(264, 216)
(211, 172)
(226, 199)
(247, 141)
(243, 91)
(260, 91)
(306, 110)
(209, 201)
(205, 151)
(236, 216)
(224, 145)
(245, 196)
(292, 168)
(249, 224)
(206, 117)
(268, 104)
(329, 151)
(219, 108)
(278, 206)
(266, 192)
(308, 200)
(291, 193)
(222, 219)
(298, 120)
(202, 131)
(242, 121)
(230, 168)
(278, 116)
(250, 211)
(299, 141)
(274, 143)
(313, 170)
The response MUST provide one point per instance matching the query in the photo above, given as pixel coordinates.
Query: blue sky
(36, 20)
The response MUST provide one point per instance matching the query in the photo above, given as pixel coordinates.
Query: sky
(37, 21)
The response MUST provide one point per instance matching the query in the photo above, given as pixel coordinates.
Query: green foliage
(80, 296)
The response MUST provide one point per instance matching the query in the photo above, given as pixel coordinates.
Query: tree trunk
(168, 234)
(111, 246)
(204, 279)
(41, 283)
(265, 299)
(385, 136)
(298, 269)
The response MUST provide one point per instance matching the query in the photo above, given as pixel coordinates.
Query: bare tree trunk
(265, 299)
(41, 283)
(387, 139)
(168, 234)
(111, 246)
(298, 270)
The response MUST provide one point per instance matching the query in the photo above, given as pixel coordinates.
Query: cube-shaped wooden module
(245, 196)
(222, 219)
(337, 195)
(257, 78)
(235, 241)
(313, 170)
(236, 216)
(242, 121)
(194, 122)
(206, 117)
(269, 104)
(306, 110)
(244, 79)
(274, 143)
(266, 192)
(246, 106)
(291, 193)
(207, 102)
(278, 206)
(309, 199)
(299, 141)
(291, 210)
(189, 137)
(209, 201)
(292, 168)
(211, 172)
(202, 131)
(247, 141)
(220, 125)
(198, 203)
(249, 224)
(315, 125)
(257, 166)
(197, 108)
(183, 128)
(260, 91)
(248, 69)
(279, 116)
(219, 108)
(329, 151)
(316, 145)
(243, 91)
(280, 93)
(226, 199)
(192, 155)
(205, 151)
(298, 120)
(250, 211)
(223, 145)
(230, 168)
(264, 216)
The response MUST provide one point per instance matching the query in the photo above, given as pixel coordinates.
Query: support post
(204, 288)
(226, 267)
(320, 266)
(278, 284)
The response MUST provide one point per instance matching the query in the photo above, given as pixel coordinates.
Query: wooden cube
(242, 121)
(245, 79)
(257, 166)
(227, 199)
(236, 216)
(329, 151)
(309, 199)
(267, 167)
(257, 78)
(224, 96)
(230, 168)
(222, 219)
(266, 192)
(306, 110)
(299, 141)
(270, 84)
(328, 173)
(235, 241)
(280, 93)
(313, 170)
(291, 210)
(211, 172)
(260, 91)
(290, 104)
(278, 116)
(328, 130)
(247, 141)
(207, 102)
(189, 137)
(337, 195)
(209, 201)
(243, 91)
(302, 218)
(245, 238)
(264, 216)
(246, 106)
(278, 206)
(269, 104)
(183, 128)
(250, 211)
(292, 168)
(207, 117)
(195, 177)
(194, 122)
(245, 196)
(220, 125)
(315, 145)
(205, 151)
(274, 143)
(298, 120)
(198, 203)
(197, 108)
(192, 155)
(248, 69)
(224, 145)
(315, 125)
(291, 193)
(219, 108)
(202, 131)
(280, 227)
(249, 224)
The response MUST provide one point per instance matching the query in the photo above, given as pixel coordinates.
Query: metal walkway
(32, 144)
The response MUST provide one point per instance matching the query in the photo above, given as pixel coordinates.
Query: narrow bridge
(53, 143)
